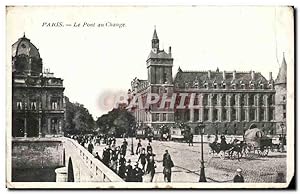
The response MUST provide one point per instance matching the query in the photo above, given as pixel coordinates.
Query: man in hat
(97, 156)
(238, 178)
(138, 173)
(167, 164)
(129, 172)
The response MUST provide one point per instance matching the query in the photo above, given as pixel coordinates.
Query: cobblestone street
(187, 163)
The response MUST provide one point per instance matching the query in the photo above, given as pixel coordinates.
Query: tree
(117, 122)
(78, 118)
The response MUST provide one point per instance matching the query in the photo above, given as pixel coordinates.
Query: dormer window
(206, 86)
(224, 86)
(215, 86)
(261, 86)
(243, 86)
(233, 86)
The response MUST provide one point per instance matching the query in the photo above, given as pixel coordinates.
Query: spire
(155, 42)
(179, 69)
(281, 77)
(155, 37)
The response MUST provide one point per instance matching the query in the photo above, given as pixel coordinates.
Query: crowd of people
(114, 157)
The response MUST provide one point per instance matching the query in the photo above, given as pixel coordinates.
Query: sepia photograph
(150, 97)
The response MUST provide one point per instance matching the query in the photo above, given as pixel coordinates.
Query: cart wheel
(222, 155)
(265, 152)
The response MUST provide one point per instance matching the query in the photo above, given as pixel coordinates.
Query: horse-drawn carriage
(254, 143)
(257, 143)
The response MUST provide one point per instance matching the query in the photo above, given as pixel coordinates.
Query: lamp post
(202, 172)
(282, 137)
(132, 152)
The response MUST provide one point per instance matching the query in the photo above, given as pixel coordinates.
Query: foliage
(117, 122)
(78, 118)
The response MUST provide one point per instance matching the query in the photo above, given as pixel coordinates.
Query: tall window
(33, 105)
(19, 105)
(55, 104)
(164, 116)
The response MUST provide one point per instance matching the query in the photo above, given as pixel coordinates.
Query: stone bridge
(71, 161)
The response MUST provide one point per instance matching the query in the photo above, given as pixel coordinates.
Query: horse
(238, 147)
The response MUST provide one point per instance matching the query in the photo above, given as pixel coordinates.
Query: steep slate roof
(281, 77)
(202, 77)
(160, 55)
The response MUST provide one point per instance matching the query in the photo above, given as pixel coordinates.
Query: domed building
(37, 97)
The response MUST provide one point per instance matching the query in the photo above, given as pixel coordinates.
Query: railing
(97, 170)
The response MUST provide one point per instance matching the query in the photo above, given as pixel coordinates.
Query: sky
(97, 61)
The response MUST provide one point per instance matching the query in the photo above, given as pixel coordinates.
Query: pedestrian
(122, 170)
(167, 164)
(238, 178)
(129, 172)
(90, 147)
(114, 161)
(114, 140)
(122, 160)
(106, 156)
(149, 148)
(123, 149)
(138, 173)
(152, 167)
(191, 139)
(139, 145)
(142, 157)
(97, 156)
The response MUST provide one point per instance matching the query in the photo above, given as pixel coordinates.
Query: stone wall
(37, 153)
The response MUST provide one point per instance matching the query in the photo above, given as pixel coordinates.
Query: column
(191, 115)
(229, 107)
(200, 99)
(40, 126)
(247, 108)
(267, 107)
(49, 125)
(60, 126)
(238, 96)
(25, 126)
(210, 118)
(201, 114)
(221, 107)
(257, 107)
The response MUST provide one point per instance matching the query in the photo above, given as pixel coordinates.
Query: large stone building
(228, 102)
(37, 96)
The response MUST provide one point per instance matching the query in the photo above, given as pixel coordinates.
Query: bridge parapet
(82, 166)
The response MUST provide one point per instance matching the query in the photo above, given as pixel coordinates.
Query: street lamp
(132, 152)
(202, 178)
(282, 137)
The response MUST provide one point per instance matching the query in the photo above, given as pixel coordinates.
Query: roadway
(187, 163)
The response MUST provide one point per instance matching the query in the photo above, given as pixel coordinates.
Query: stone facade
(228, 102)
(38, 107)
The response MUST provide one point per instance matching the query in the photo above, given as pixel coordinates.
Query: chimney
(252, 75)
(233, 74)
(224, 75)
(208, 74)
(270, 76)
(170, 51)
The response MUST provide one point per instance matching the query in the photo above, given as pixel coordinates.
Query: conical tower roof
(155, 37)
(281, 77)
